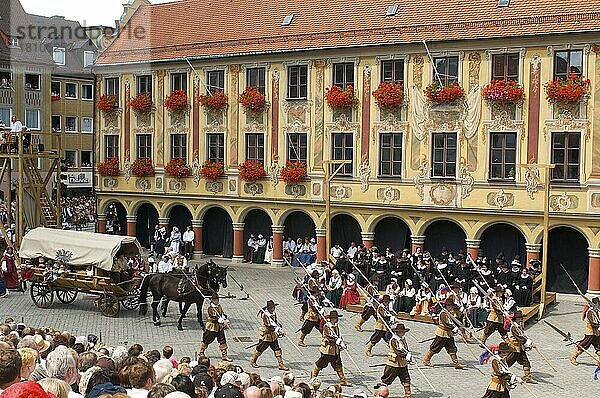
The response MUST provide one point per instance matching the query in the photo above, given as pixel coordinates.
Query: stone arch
(167, 209)
(298, 224)
(283, 217)
(217, 231)
(104, 204)
(257, 221)
(244, 213)
(567, 245)
(180, 216)
(205, 209)
(502, 237)
(345, 228)
(427, 223)
(116, 217)
(444, 233)
(146, 220)
(391, 231)
(540, 235)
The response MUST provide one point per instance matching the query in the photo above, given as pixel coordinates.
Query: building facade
(467, 176)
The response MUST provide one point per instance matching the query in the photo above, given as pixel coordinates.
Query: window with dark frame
(179, 147)
(144, 84)
(144, 146)
(297, 82)
(55, 90)
(447, 68)
(179, 81)
(86, 158)
(503, 155)
(444, 155)
(392, 71)
(216, 147)
(32, 81)
(111, 146)
(87, 92)
(255, 147)
(568, 62)
(297, 147)
(56, 124)
(255, 77)
(566, 148)
(215, 81)
(505, 67)
(343, 149)
(390, 154)
(343, 74)
(111, 87)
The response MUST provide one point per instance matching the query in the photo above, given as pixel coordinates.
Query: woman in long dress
(350, 295)
(175, 239)
(9, 268)
(334, 288)
(259, 255)
(269, 252)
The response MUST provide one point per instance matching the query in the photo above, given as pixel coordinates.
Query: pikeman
(311, 317)
(383, 316)
(502, 379)
(215, 328)
(331, 347)
(397, 361)
(369, 308)
(520, 344)
(592, 333)
(269, 333)
(495, 320)
(444, 337)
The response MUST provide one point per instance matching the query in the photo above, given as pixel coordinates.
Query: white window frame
(87, 84)
(7, 122)
(39, 81)
(378, 156)
(552, 50)
(39, 112)
(287, 143)
(91, 158)
(85, 53)
(91, 124)
(187, 80)
(287, 65)
(9, 83)
(488, 154)
(456, 161)
(461, 58)
(355, 149)
(76, 91)
(557, 184)
(64, 54)
(59, 87)
(76, 124)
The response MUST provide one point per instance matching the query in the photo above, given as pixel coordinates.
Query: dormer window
(14, 42)
(58, 54)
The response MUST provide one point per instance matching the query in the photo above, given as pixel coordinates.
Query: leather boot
(201, 350)
(484, 337)
(255, 356)
(427, 358)
(359, 324)
(343, 381)
(224, 356)
(369, 347)
(315, 371)
(574, 356)
(528, 378)
(301, 342)
(407, 393)
(455, 362)
(280, 360)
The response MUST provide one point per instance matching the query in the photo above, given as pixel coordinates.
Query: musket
(567, 337)
(377, 365)
(264, 312)
(426, 340)
(250, 346)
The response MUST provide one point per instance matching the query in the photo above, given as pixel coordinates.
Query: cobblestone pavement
(265, 283)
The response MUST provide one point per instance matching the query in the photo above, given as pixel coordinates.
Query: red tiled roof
(205, 28)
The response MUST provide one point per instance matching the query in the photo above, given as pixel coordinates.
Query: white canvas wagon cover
(78, 248)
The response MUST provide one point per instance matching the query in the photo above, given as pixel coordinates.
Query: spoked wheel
(66, 296)
(109, 305)
(131, 302)
(41, 294)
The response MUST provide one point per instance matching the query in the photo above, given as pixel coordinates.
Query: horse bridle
(196, 283)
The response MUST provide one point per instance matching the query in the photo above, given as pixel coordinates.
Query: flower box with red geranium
(177, 101)
(253, 100)
(55, 97)
(293, 172)
(142, 103)
(213, 102)
(212, 170)
(450, 94)
(341, 100)
(503, 93)
(567, 91)
(178, 168)
(108, 168)
(107, 103)
(142, 168)
(389, 96)
(251, 170)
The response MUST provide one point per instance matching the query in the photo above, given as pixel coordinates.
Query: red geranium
(341, 99)
(212, 170)
(142, 103)
(142, 168)
(253, 100)
(108, 168)
(566, 91)
(294, 172)
(55, 97)
(449, 94)
(177, 101)
(389, 96)
(503, 92)
(178, 168)
(251, 170)
(107, 103)
(214, 102)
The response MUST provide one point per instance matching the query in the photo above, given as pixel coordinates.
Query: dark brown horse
(187, 288)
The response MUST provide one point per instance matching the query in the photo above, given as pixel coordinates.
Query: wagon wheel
(109, 305)
(41, 294)
(131, 302)
(66, 296)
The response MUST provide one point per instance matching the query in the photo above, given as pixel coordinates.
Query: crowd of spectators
(78, 212)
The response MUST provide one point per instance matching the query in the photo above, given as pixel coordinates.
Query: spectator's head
(160, 390)
(204, 380)
(304, 389)
(266, 392)
(382, 391)
(184, 369)
(10, 367)
(252, 392)
(167, 351)
(119, 354)
(59, 388)
(184, 384)
(141, 375)
(162, 369)
(135, 350)
(61, 364)
(152, 356)
(29, 358)
(87, 360)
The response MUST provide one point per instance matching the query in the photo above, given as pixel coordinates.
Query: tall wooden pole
(327, 197)
(9, 197)
(545, 240)
(20, 231)
(58, 206)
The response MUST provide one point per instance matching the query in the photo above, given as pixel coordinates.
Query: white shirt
(164, 266)
(137, 393)
(188, 236)
(336, 251)
(352, 251)
(75, 395)
(16, 127)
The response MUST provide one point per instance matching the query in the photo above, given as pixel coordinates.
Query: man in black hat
(215, 328)
(269, 333)
(495, 320)
(383, 316)
(444, 337)
(520, 344)
(331, 346)
(502, 379)
(311, 317)
(397, 361)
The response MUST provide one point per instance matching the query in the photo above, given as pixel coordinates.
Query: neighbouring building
(421, 175)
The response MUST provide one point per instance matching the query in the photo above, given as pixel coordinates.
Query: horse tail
(143, 299)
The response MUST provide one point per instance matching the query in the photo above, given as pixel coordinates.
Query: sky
(87, 12)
